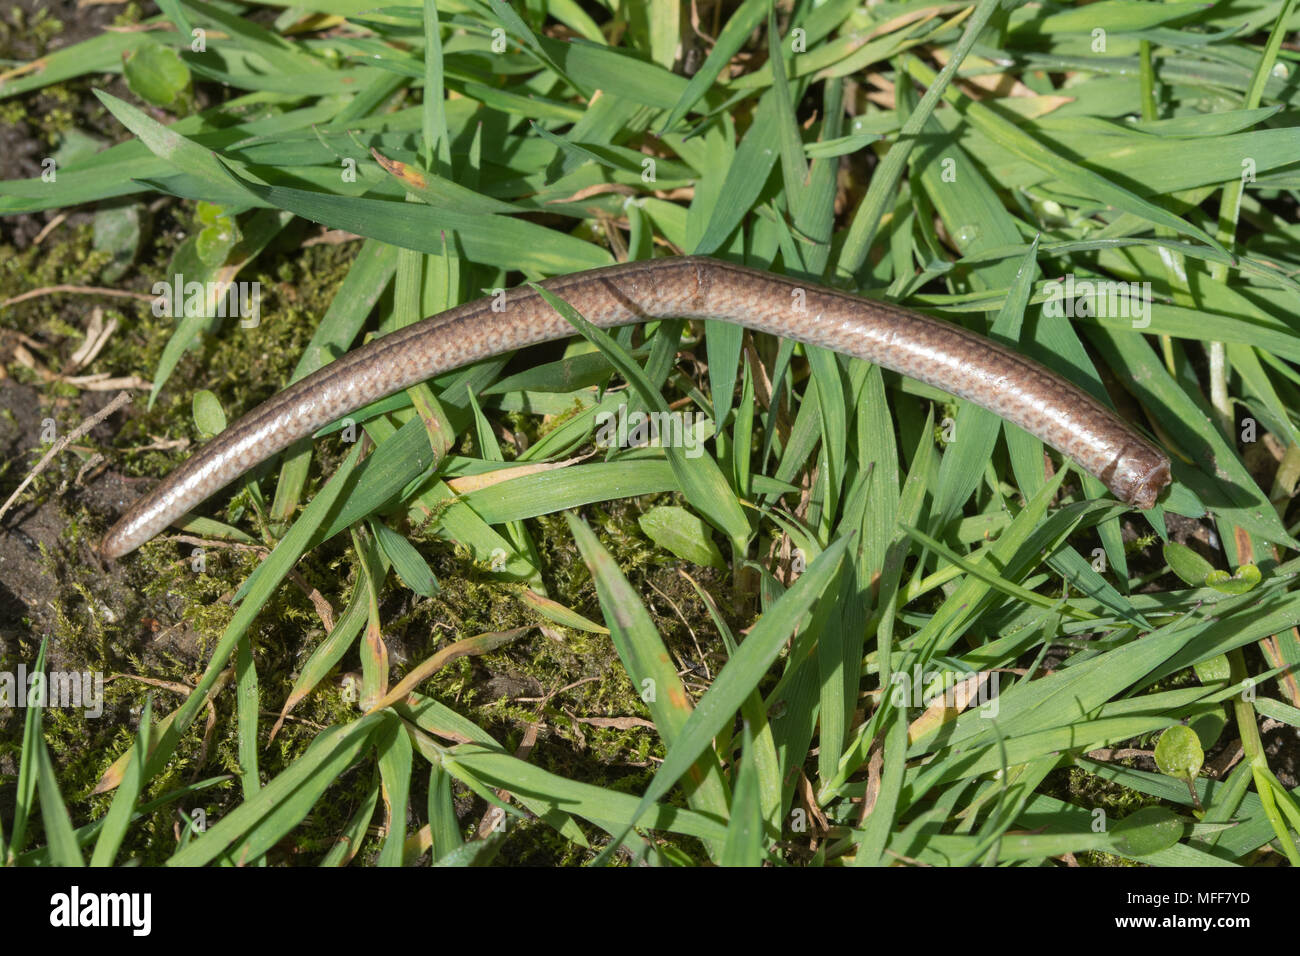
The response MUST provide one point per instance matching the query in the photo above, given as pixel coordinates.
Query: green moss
(157, 619)
(32, 31)
(129, 15)
(243, 367)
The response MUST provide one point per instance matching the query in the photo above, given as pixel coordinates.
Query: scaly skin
(946, 356)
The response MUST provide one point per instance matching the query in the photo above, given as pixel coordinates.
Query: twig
(49, 227)
(123, 398)
(80, 289)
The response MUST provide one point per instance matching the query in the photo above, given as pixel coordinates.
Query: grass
(473, 637)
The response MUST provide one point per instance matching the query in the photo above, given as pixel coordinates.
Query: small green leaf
(1208, 725)
(1215, 670)
(684, 534)
(1179, 753)
(156, 74)
(214, 244)
(407, 562)
(1187, 564)
(219, 235)
(208, 414)
(118, 231)
(1147, 831)
(1245, 579)
(208, 213)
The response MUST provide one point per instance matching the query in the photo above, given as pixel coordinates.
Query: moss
(485, 689)
(65, 258)
(129, 15)
(21, 31)
(111, 624)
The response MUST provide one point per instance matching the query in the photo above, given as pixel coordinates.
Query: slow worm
(947, 356)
